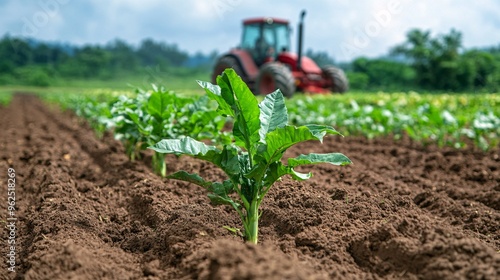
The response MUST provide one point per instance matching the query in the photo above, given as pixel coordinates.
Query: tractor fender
(307, 64)
(246, 62)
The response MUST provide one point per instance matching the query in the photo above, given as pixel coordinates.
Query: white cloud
(206, 25)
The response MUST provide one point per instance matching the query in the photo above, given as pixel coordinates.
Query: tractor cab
(264, 38)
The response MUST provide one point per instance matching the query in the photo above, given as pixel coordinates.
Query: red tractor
(265, 63)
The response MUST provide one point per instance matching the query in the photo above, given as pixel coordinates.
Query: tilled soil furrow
(68, 208)
(463, 202)
(374, 180)
(15, 153)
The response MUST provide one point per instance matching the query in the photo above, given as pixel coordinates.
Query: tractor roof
(264, 19)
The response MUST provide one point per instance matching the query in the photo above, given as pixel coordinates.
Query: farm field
(402, 210)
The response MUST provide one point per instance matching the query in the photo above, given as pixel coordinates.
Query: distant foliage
(144, 118)
(440, 63)
(445, 119)
(424, 62)
(382, 73)
(30, 62)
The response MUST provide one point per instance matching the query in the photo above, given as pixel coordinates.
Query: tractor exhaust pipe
(299, 47)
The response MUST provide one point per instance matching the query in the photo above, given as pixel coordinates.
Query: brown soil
(401, 211)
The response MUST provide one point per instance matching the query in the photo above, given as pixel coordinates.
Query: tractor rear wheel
(272, 76)
(336, 78)
(223, 63)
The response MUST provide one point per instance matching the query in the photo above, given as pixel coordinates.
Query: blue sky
(345, 29)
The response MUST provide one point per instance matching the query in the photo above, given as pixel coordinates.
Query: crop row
(448, 120)
(142, 119)
(250, 154)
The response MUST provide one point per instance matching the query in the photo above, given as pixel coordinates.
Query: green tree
(20, 52)
(483, 69)
(446, 61)
(87, 62)
(436, 60)
(163, 55)
(122, 57)
(418, 49)
(384, 73)
(6, 50)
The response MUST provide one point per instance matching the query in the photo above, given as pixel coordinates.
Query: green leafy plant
(95, 109)
(151, 116)
(126, 113)
(253, 162)
(444, 119)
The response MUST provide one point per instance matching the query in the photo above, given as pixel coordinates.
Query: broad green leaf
(183, 145)
(277, 170)
(273, 172)
(219, 191)
(134, 116)
(225, 88)
(258, 170)
(226, 159)
(319, 131)
(273, 113)
(245, 106)
(331, 158)
(158, 104)
(229, 161)
(279, 140)
(214, 93)
(219, 200)
(299, 176)
(191, 178)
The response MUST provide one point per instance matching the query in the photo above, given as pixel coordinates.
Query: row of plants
(143, 118)
(448, 120)
(250, 154)
(253, 162)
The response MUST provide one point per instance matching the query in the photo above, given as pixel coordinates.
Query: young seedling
(253, 162)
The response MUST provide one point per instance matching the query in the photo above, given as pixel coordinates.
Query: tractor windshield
(264, 39)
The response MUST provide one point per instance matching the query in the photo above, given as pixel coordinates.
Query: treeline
(424, 62)
(31, 62)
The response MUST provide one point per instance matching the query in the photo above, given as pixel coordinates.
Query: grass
(185, 84)
(177, 83)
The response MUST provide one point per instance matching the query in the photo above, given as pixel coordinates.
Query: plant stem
(159, 165)
(252, 221)
(130, 150)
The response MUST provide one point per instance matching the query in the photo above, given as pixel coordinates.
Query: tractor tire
(337, 79)
(223, 63)
(272, 76)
